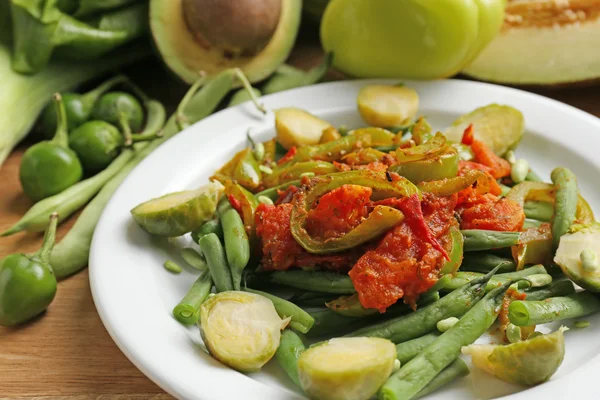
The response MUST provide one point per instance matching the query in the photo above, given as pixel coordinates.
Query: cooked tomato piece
(499, 167)
(496, 214)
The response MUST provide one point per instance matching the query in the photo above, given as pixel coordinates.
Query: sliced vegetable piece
(500, 127)
(529, 362)
(387, 105)
(296, 127)
(582, 270)
(240, 329)
(178, 213)
(346, 368)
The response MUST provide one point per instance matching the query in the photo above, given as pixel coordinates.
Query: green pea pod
(379, 221)
(336, 149)
(443, 165)
(293, 172)
(40, 28)
(71, 254)
(301, 321)
(70, 200)
(246, 172)
(237, 246)
(289, 79)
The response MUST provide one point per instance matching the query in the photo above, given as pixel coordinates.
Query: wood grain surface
(66, 353)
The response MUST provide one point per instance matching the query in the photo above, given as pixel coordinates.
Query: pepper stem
(180, 117)
(248, 86)
(49, 238)
(91, 97)
(61, 136)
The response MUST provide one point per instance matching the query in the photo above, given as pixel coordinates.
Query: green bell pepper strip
(364, 156)
(421, 131)
(27, 282)
(293, 172)
(434, 146)
(565, 204)
(289, 351)
(456, 254)
(273, 193)
(449, 186)
(246, 172)
(433, 359)
(301, 321)
(336, 149)
(526, 313)
(441, 165)
(546, 192)
(187, 311)
(379, 221)
(479, 239)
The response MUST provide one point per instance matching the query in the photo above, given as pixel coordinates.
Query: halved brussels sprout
(178, 213)
(581, 238)
(240, 329)
(499, 127)
(385, 105)
(529, 362)
(346, 368)
(296, 127)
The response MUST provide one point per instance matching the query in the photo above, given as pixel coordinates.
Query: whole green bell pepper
(27, 282)
(379, 221)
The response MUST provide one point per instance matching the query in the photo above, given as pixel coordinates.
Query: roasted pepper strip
(535, 247)
(246, 172)
(432, 147)
(449, 186)
(335, 150)
(380, 220)
(441, 165)
(270, 151)
(421, 131)
(364, 156)
(544, 192)
(226, 172)
(456, 254)
(294, 171)
(247, 203)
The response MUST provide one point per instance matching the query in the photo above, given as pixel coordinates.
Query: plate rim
(127, 344)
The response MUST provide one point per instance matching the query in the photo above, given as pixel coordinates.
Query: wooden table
(67, 353)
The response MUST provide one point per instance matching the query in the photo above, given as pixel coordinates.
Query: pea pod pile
(390, 234)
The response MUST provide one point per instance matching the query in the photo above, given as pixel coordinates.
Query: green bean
(525, 313)
(155, 121)
(237, 246)
(478, 239)
(71, 254)
(433, 359)
(539, 210)
(485, 262)
(408, 350)
(70, 200)
(300, 319)
(193, 258)
(212, 226)
(461, 278)
(312, 299)
(565, 204)
(287, 80)
(223, 206)
(328, 322)
(457, 369)
(272, 193)
(317, 281)
(561, 287)
(531, 223)
(187, 311)
(217, 262)
(425, 319)
(289, 351)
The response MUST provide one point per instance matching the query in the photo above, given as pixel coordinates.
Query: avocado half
(543, 42)
(185, 57)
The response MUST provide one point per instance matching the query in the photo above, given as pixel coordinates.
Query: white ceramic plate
(134, 294)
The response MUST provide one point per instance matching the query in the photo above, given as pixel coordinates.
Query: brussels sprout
(575, 254)
(529, 362)
(178, 213)
(386, 105)
(240, 329)
(346, 368)
(296, 127)
(499, 127)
